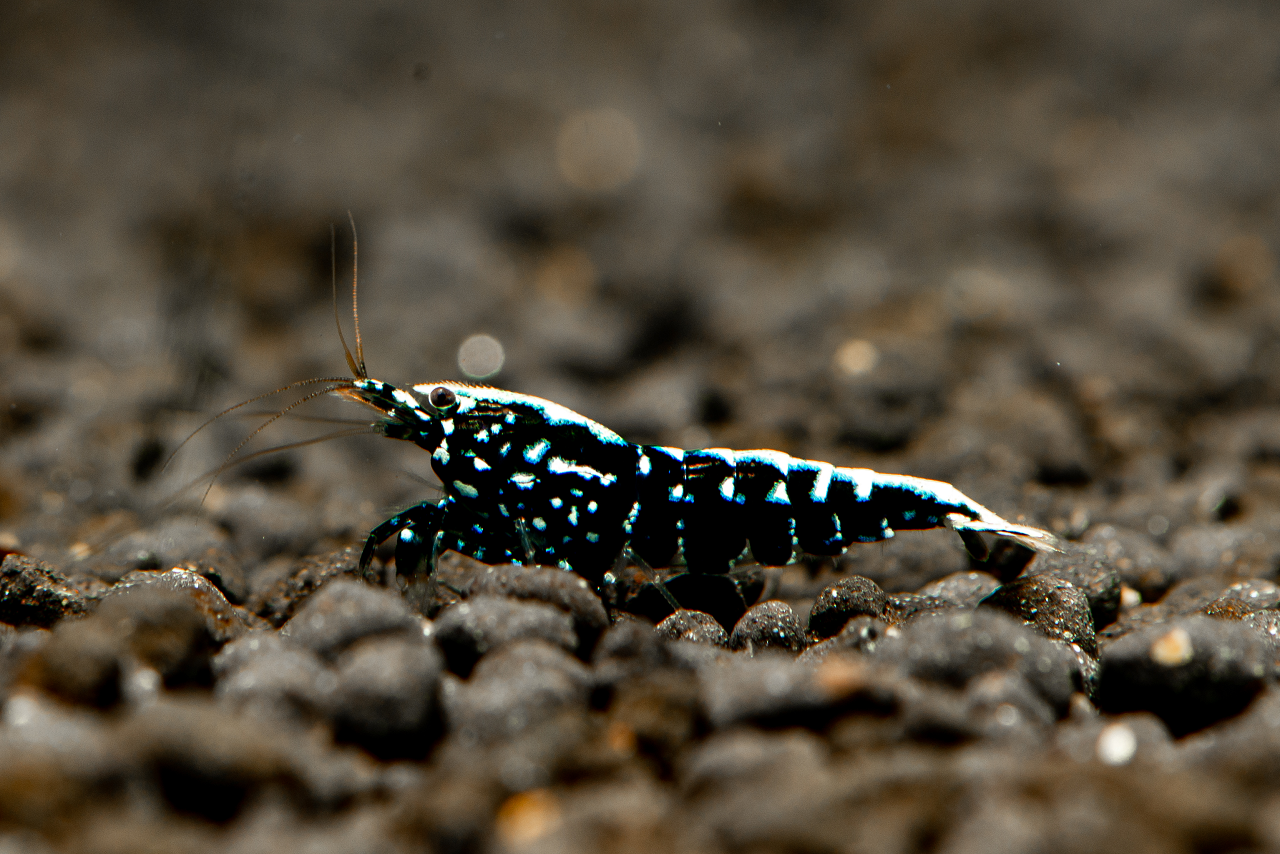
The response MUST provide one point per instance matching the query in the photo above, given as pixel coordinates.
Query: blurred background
(1025, 247)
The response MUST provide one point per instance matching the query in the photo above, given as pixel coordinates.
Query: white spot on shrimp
(404, 398)
(573, 516)
(441, 454)
(406, 535)
(592, 507)
(592, 537)
(481, 465)
(677, 492)
(645, 465)
(523, 480)
(502, 508)
(540, 523)
(726, 489)
(505, 449)
(535, 452)
(447, 426)
(778, 495)
(559, 465)
(822, 483)
(557, 503)
(466, 489)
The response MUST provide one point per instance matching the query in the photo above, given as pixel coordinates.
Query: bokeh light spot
(481, 356)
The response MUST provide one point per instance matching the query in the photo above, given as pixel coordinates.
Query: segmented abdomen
(714, 502)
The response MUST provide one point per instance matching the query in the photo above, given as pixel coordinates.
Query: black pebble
(956, 646)
(385, 698)
(1089, 568)
(468, 630)
(565, 590)
(33, 593)
(904, 607)
(515, 687)
(837, 604)
(1192, 672)
(342, 612)
(861, 634)
(965, 589)
(695, 626)
(261, 674)
(769, 625)
(1055, 606)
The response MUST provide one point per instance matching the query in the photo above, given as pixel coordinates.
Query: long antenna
(333, 278)
(355, 305)
(243, 403)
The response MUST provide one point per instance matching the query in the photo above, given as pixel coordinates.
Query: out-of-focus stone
(262, 674)
(343, 612)
(954, 647)
(1190, 672)
(1136, 559)
(468, 630)
(165, 629)
(515, 687)
(80, 663)
(385, 697)
(167, 543)
(773, 689)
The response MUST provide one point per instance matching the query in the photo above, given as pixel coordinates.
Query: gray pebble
(385, 697)
(1136, 558)
(274, 680)
(1089, 568)
(904, 607)
(768, 625)
(860, 634)
(342, 612)
(567, 591)
(837, 604)
(1055, 606)
(695, 626)
(965, 589)
(515, 687)
(954, 647)
(1190, 672)
(468, 630)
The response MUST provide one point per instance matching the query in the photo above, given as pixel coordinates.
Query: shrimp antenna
(265, 424)
(231, 409)
(314, 440)
(357, 368)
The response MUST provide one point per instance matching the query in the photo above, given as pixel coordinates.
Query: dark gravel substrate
(1028, 248)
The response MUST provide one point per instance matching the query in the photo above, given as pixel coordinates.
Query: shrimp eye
(441, 398)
